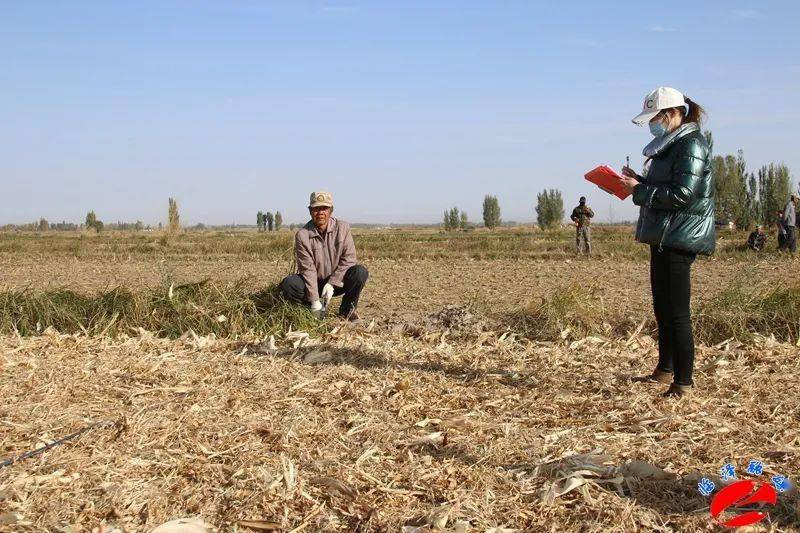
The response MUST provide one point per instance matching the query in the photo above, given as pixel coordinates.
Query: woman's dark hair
(695, 113)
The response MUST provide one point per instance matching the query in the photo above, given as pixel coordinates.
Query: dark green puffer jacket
(677, 194)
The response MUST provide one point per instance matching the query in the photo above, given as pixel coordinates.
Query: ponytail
(695, 113)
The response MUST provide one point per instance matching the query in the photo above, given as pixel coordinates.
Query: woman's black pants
(670, 281)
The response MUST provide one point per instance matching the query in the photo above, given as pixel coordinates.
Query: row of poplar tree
(549, 212)
(455, 219)
(92, 222)
(747, 197)
(269, 222)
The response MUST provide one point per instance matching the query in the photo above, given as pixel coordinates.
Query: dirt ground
(384, 428)
(430, 421)
(407, 286)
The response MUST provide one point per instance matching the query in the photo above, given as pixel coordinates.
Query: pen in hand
(626, 170)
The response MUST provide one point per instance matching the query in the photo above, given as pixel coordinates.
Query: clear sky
(402, 109)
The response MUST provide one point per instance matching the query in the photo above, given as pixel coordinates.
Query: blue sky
(402, 109)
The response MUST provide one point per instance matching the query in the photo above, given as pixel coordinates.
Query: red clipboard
(607, 179)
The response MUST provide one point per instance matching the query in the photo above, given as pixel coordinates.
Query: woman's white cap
(661, 98)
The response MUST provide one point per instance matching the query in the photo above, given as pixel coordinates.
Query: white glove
(316, 308)
(327, 293)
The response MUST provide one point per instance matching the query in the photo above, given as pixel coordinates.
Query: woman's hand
(628, 183)
(628, 171)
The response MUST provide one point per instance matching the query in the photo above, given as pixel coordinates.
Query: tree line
(269, 222)
(265, 222)
(747, 197)
(455, 219)
(742, 197)
(549, 212)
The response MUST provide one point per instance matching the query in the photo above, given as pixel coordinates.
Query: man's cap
(582, 200)
(321, 199)
(661, 98)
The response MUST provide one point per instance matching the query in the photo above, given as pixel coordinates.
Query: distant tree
(160, 226)
(270, 220)
(172, 216)
(464, 221)
(454, 218)
(754, 199)
(43, 224)
(743, 214)
(446, 220)
(139, 226)
(93, 223)
(278, 220)
(91, 218)
(774, 186)
(549, 208)
(259, 220)
(730, 189)
(63, 226)
(709, 139)
(491, 212)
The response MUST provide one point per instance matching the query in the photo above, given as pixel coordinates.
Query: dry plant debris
(367, 428)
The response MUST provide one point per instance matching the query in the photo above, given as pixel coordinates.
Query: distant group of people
(786, 222)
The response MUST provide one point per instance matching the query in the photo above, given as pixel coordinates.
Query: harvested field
(428, 415)
(372, 429)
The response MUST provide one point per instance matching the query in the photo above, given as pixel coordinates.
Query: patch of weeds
(204, 307)
(573, 311)
(742, 310)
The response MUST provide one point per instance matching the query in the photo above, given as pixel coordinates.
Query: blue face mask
(657, 128)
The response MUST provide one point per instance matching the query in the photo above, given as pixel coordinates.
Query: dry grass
(231, 310)
(741, 310)
(521, 242)
(454, 420)
(371, 429)
(573, 311)
(204, 308)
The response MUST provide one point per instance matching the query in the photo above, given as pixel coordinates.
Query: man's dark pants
(354, 280)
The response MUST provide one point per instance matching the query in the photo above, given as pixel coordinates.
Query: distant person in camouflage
(582, 216)
(757, 239)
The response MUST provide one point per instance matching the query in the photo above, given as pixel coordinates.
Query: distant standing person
(326, 261)
(781, 231)
(676, 199)
(582, 216)
(789, 220)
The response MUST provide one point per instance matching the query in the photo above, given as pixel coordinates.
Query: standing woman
(676, 219)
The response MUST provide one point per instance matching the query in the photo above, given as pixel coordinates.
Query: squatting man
(326, 262)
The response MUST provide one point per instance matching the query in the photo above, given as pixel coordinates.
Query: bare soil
(405, 286)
